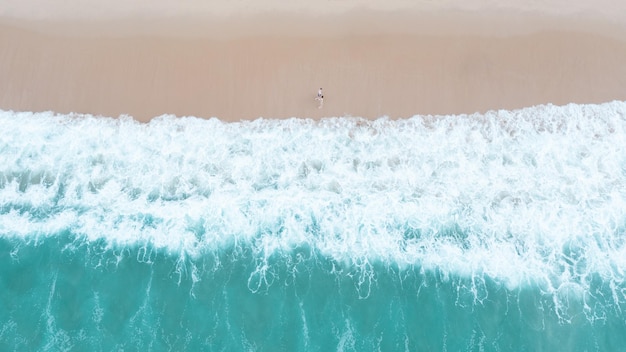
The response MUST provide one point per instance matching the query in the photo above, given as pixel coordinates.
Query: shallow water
(502, 231)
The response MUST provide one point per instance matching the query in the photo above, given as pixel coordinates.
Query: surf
(507, 211)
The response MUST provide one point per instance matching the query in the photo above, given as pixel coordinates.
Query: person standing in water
(320, 98)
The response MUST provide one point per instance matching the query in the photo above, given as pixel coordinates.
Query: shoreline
(366, 70)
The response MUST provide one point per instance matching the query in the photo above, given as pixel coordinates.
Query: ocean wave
(532, 196)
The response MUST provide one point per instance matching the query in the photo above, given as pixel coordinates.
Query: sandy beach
(234, 62)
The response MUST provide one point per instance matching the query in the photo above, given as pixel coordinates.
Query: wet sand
(369, 66)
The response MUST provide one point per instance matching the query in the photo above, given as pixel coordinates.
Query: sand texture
(398, 64)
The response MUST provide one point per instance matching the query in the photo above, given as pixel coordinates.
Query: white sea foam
(529, 196)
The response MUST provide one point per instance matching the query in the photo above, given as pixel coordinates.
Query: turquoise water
(497, 232)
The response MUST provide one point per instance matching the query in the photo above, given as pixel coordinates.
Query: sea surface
(503, 231)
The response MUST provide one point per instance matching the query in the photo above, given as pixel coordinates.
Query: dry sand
(370, 62)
